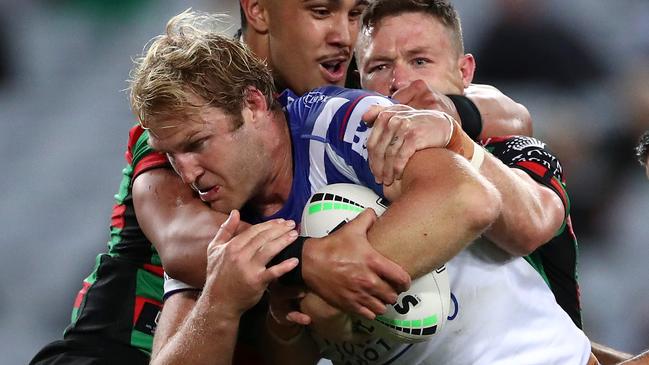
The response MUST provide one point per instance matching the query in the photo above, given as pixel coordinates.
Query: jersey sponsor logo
(314, 97)
(147, 319)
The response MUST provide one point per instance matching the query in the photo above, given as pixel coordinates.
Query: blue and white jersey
(328, 139)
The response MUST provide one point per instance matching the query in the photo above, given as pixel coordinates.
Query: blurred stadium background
(581, 67)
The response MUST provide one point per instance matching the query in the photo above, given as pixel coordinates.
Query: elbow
(184, 266)
(526, 237)
(525, 120)
(174, 259)
(170, 262)
(525, 242)
(536, 233)
(482, 206)
(172, 267)
(535, 225)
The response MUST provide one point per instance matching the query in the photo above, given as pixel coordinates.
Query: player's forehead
(331, 4)
(408, 33)
(175, 132)
(173, 136)
(410, 22)
(340, 3)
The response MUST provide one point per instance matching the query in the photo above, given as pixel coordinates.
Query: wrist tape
(293, 277)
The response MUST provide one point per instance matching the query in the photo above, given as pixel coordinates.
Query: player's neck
(277, 187)
(258, 44)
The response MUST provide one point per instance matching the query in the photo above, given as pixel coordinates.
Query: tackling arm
(192, 331)
(439, 203)
(437, 209)
(500, 114)
(533, 213)
(176, 222)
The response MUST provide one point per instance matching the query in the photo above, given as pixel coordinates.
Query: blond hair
(194, 58)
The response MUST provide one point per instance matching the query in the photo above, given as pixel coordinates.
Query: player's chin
(222, 206)
(322, 78)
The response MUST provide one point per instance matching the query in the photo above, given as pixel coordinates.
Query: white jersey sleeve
(173, 286)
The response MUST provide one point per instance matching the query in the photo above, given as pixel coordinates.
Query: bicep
(501, 115)
(158, 197)
(169, 212)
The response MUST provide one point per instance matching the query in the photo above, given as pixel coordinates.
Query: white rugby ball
(420, 312)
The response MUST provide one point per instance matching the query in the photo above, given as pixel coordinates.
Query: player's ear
(466, 64)
(256, 15)
(255, 105)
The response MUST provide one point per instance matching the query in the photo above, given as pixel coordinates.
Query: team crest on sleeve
(520, 144)
(533, 150)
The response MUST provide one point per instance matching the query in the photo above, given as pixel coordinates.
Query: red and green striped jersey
(127, 239)
(556, 260)
(121, 299)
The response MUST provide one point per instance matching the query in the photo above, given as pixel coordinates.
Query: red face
(221, 163)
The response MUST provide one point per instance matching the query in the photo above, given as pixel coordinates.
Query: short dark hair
(440, 9)
(642, 150)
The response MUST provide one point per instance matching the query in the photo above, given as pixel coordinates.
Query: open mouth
(333, 70)
(208, 194)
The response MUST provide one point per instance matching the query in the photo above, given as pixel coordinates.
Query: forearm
(176, 222)
(204, 339)
(500, 114)
(421, 238)
(197, 333)
(533, 213)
